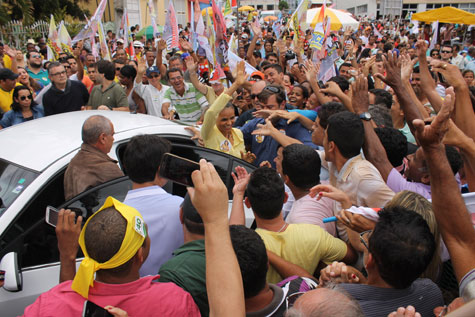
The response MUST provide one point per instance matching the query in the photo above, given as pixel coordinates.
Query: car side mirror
(13, 281)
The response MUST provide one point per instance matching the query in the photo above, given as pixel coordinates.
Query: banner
(153, 17)
(170, 30)
(86, 32)
(64, 39)
(318, 37)
(233, 60)
(103, 43)
(227, 8)
(435, 33)
(53, 47)
(299, 15)
(221, 44)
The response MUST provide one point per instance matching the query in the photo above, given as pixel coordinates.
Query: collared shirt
(265, 147)
(42, 76)
(152, 97)
(161, 212)
(213, 138)
(398, 183)
(361, 181)
(190, 106)
(113, 97)
(187, 269)
(143, 297)
(15, 117)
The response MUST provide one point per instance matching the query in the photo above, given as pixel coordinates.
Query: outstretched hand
(393, 71)
(241, 179)
(432, 135)
(360, 98)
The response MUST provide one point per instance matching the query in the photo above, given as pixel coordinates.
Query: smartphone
(321, 84)
(178, 169)
(93, 310)
(51, 216)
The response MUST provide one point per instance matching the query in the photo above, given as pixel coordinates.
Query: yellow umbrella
(246, 8)
(270, 18)
(445, 15)
(338, 19)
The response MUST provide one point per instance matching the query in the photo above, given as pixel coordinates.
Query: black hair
(256, 53)
(345, 64)
(395, 144)
(381, 115)
(328, 109)
(251, 255)
(271, 54)
(107, 68)
(341, 82)
(143, 155)
(266, 193)
(268, 91)
(128, 71)
(174, 70)
(301, 164)
(347, 131)
(277, 68)
(119, 61)
(305, 92)
(15, 106)
(454, 158)
(402, 246)
(382, 96)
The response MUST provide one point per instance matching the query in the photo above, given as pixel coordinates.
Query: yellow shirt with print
(6, 99)
(213, 138)
(304, 245)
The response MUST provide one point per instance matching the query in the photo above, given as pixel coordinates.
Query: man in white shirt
(152, 93)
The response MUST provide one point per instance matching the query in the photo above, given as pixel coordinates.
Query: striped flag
(170, 30)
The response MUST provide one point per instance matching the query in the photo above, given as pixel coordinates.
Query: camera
(290, 55)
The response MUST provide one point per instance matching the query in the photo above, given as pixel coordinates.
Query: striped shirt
(190, 106)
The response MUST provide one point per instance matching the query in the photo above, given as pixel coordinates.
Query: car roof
(38, 143)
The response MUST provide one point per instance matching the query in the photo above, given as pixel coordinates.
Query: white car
(33, 158)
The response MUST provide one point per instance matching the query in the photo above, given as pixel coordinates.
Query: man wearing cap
(138, 48)
(109, 95)
(115, 243)
(35, 67)
(153, 93)
(7, 84)
(160, 209)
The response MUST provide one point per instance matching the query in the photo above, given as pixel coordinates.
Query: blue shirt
(161, 212)
(265, 147)
(41, 77)
(15, 117)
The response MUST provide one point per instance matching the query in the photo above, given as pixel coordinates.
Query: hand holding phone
(178, 169)
(93, 310)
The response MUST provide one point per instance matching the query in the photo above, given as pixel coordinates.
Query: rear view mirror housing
(13, 279)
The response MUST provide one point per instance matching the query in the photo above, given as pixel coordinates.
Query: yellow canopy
(270, 18)
(445, 15)
(246, 8)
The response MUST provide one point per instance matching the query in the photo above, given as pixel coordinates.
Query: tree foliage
(283, 5)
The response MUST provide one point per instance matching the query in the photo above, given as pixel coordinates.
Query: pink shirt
(398, 183)
(312, 211)
(142, 297)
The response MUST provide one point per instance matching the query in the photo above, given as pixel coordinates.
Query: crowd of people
(357, 191)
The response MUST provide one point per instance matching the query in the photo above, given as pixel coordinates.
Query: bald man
(92, 166)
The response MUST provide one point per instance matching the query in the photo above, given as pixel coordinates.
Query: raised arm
(241, 179)
(161, 45)
(407, 67)
(67, 232)
(393, 79)
(449, 208)
(77, 55)
(373, 149)
(257, 35)
(192, 67)
(141, 69)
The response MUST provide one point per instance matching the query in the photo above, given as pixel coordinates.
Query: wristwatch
(365, 116)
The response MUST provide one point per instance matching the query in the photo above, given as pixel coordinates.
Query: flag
(415, 27)
(53, 47)
(170, 29)
(318, 37)
(153, 17)
(276, 28)
(376, 32)
(203, 43)
(435, 27)
(233, 60)
(103, 43)
(299, 15)
(227, 8)
(64, 39)
(86, 31)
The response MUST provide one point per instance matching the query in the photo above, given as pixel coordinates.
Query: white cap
(138, 44)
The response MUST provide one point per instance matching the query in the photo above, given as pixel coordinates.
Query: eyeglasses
(290, 300)
(254, 96)
(363, 235)
(67, 67)
(60, 73)
(154, 76)
(35, 56)
(446, 52)
(273, 89)
(23, 98)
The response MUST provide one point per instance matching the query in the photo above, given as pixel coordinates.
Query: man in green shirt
(108, 95)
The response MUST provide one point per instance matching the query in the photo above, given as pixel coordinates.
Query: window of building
(270, 7)
(362, 9)
(260, 7)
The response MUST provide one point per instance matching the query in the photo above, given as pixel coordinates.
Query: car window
(14, 179)
(29, 235)
(34, 240)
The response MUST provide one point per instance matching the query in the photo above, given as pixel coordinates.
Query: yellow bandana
(134, 237)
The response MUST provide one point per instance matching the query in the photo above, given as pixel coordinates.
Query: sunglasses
(446, 52)
(291, 299)
(154, 76)
(273, 89)
(35, 56)
(364, 238)
(23, 98)
(435, 54)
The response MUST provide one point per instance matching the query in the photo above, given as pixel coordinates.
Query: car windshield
(13, 181)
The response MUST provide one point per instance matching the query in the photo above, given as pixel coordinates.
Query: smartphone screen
(93, 310)
(178, 169)
(51, 216)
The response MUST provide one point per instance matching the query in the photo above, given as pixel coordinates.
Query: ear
(286, 197)
(286, 179)
(247, 202)
(181, 215)
(425, 179)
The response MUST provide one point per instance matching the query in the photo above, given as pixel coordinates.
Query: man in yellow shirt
(7, 83)
(304, 245)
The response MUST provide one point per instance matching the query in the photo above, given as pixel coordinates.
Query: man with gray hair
(325, 302)
(92, 166)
